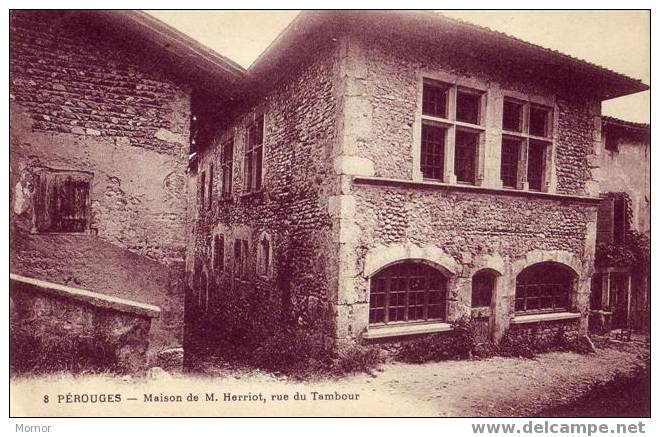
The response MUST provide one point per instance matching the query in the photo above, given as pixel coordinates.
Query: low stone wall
(546, 331)
(59, 328)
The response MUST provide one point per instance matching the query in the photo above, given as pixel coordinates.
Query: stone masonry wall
(461, 229)
(56, 328)
(291, 209)
(83, 100)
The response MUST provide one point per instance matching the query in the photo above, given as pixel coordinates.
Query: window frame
(48, 178)
(527, 140)
(227, 167)
(388, 275)
(451, 124)
(219, 255)
(264, 270)
(545, 309)
(210, 187)
(241, 250)
(250, 165)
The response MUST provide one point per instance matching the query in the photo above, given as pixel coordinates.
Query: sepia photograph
(330, 213)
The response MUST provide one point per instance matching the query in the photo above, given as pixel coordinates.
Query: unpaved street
(488, 387)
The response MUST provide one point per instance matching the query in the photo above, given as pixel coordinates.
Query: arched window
(406, 292)
(263, 256)
(219, 253)
(483, 285)
(543, 287)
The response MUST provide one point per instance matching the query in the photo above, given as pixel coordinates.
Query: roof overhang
(196, 63)
(524, 60)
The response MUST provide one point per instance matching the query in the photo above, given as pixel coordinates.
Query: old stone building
(620, 285)
(387, 173)
(371, 177)
(100, 127)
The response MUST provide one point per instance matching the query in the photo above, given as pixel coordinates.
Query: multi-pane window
(254, 155)
(452, 125)
(240, 258)
(227, 167)
(536, 151)
(433, 151)
(62, 202)
(543, 287)
(434, 99)
(526, 144)
(465, 156)
(483, 284)
(509, 164)
(408, 292)
(512, 119)
(219, 253)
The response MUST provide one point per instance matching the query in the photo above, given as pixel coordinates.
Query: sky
(618, 40)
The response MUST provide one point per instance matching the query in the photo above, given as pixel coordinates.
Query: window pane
(468, 106)
(433, 151)
(465, 156)
(407, 291)
(509, 162)
(543, 287)
(536, 164)
(434, 100)
(227, 167)
(539, 121)
(512, 116)
(257, 167)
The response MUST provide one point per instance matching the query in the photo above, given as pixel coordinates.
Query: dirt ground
(486, 387)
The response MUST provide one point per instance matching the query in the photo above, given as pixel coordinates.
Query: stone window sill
(249, 194)
(606, 312)
(391, 182)
(533, 318)
(400, 330)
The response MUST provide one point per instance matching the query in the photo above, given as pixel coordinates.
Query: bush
(529, 345)
(456, 344)
(356, 358)
(69, 353)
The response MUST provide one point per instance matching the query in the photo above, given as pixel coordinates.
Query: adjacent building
(99, 146)
(620, 285)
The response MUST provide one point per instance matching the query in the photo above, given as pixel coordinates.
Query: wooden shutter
(62, 202)
(604, 234)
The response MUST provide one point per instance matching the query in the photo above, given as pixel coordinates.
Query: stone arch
(381, 257)
(553, 287)
(265, 255)
(538, 256)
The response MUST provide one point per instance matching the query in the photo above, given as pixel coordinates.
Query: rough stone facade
(356, 107)
(84, 100)
(290, 210)
(392, 215)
